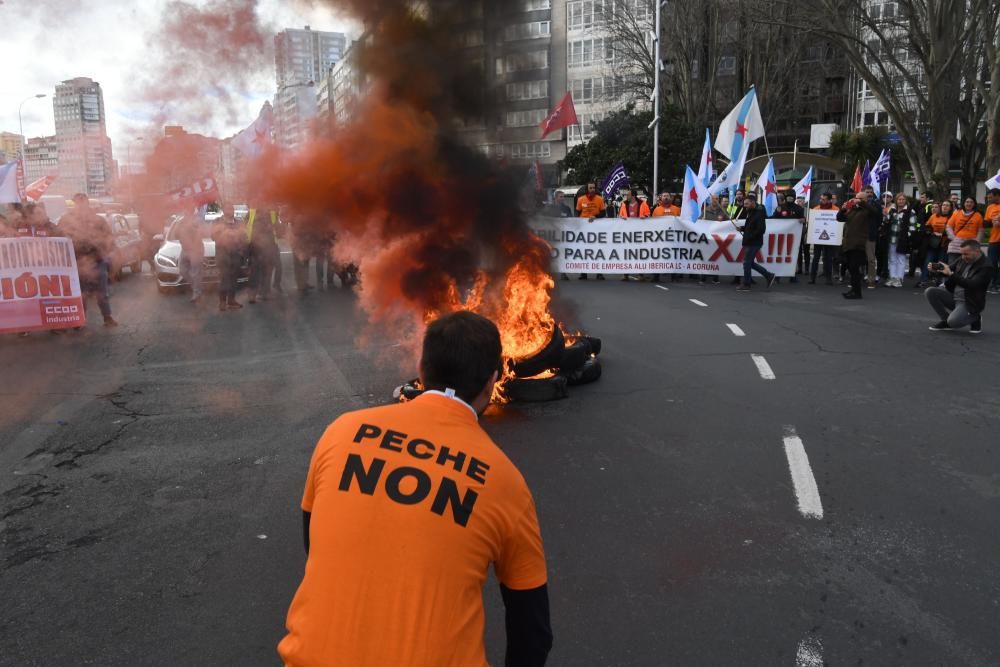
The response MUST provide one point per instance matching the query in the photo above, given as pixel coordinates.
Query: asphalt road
(150, 478)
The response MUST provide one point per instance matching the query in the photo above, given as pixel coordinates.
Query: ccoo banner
(663, 245)
(39, 285)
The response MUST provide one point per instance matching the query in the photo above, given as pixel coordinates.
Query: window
(492, 150)
(520, 62)
(530, 151)
(532, 5)
(527, 90)
(589, 122)
(531, 30)
(583, 14)
(583, 52)
(593, 89)
(526, 118)
(727, 65)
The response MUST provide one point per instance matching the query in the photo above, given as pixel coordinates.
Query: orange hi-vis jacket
(641, 209)
(409, 503)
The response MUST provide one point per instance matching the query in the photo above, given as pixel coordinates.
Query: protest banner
(39, 285)
(824, 228)
(663, 245)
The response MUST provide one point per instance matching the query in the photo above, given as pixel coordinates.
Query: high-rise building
(41, 158)
(10, 146)
(302, 59)
(85, 160)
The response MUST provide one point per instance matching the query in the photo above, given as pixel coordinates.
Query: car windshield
(174, 233)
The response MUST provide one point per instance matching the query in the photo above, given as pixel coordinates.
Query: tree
(986, 19)
(856, 148)
(912, 61)
(625, 136)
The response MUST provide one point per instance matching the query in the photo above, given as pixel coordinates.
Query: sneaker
(871, 284)
(110, 322)
(743, 288)
(940, 326)
(771, 280)
(234, 305)
(977, 326)
(852, 295)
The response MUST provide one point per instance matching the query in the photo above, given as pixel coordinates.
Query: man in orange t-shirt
(405, 507)
(665, 206)
(992, 219)
(590, 206)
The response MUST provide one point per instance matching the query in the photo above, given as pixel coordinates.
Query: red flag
(203, 191)
(36, 189)
(562, 116)
(857, 184)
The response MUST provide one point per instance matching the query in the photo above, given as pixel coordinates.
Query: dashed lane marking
(665, 289)
(763, 367)
(809, 653)
(736, 330)
(806, 492)
(698, 303)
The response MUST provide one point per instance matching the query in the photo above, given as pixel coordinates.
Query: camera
(937, 266)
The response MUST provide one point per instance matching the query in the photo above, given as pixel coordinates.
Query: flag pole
(656, 99)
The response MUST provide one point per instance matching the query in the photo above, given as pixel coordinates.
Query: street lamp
(20, 126)
(657, 68)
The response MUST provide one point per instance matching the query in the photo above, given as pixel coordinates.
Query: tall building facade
(41, 158)
(85, 160)
(302, 60)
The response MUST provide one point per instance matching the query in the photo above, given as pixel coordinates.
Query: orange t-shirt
(661, 211)
(966, 226)
(992, 211)
(938, 223)
(410, 504)
(640, 208)
(589, 207)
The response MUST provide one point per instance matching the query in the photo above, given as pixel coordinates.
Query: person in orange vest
(992, 218)
(405, 508)
(633, 207)
(590, 206)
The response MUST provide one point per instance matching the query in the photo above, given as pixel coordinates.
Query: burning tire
(595, 344)
(589, 372)
(574, 356)
(545, 359)
(537, 390)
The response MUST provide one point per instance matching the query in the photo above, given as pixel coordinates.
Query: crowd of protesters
(886, 240)
(246, 248)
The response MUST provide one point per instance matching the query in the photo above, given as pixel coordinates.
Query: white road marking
(698, 303)
(736, 330)
(806, 491)
(665, 289)
(810, 653)
(763, 367)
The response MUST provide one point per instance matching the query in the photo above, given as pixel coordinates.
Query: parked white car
(168, 258)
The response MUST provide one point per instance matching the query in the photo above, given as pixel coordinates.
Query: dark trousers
(750, 264)
(933, 255)
(882, 258)
(994, 255)
(228, 262)
(824, 252)
(96, 285)
(804, 256)
(856, 259)
(261, 269)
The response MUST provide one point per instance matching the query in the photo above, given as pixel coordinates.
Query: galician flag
(768, 186)
(994, 182)
(705, 166)
(741, 127)
(252, 140)
(804, 187)
(695, 194)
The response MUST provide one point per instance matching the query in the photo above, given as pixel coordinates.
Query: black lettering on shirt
(367, 431)
(412, 445)
(394, 481)
(367, 479)
(477, 470)
(446, 455)
(461, 509)
(393, 438)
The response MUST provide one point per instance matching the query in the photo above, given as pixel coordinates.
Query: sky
(156, 61)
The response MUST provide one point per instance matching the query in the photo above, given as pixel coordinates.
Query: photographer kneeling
(962, 299)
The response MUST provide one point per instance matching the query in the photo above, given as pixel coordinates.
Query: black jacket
(856, 224)
(975, 279)
(753, 232)
(906, 225)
